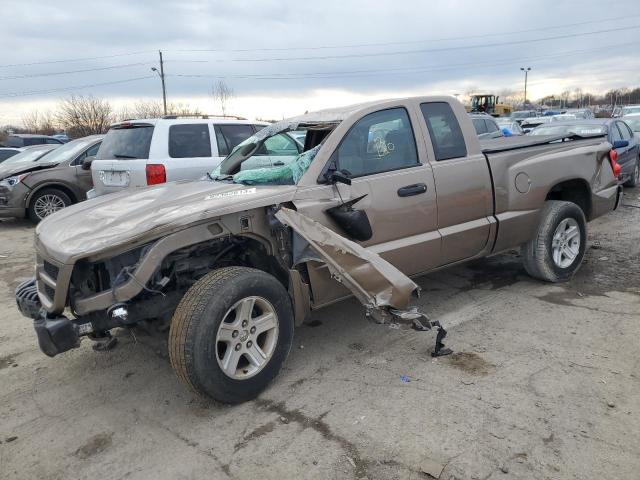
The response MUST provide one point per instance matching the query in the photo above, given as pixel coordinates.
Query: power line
(47, 62)
(429, 50)
(51, 74)
(66, 89)
(324, 47)
(408, 70)
(409, 42)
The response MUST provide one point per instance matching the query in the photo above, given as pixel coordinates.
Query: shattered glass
(289, 174)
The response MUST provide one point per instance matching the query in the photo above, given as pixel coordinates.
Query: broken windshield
(273, 156)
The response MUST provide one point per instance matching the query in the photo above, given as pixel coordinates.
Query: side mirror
(620, 144)
(86, 163)
(339, 177)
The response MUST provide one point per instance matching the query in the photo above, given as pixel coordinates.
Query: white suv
(137, 153)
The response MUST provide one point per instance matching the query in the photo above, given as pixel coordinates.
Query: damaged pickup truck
(381, 192)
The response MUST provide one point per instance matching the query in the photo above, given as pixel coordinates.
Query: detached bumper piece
(55, 334)
(27, 299)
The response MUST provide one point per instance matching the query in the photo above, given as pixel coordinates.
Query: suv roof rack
(204, 116)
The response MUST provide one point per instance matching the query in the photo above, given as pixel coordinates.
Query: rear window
(189, 141)
(124, 143)
(230, 136)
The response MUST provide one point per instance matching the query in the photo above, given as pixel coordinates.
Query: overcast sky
(282, 58)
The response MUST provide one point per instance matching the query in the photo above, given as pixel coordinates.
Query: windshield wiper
(118, 155)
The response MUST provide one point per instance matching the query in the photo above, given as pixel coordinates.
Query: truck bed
(505, 144)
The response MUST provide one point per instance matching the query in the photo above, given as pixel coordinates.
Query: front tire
(47, 201)
(556, 251)
(231, 333)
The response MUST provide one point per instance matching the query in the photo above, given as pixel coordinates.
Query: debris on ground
(404, 379)
(431, 467)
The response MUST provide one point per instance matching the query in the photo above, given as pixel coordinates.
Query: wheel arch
(577, 191)
(53, 185)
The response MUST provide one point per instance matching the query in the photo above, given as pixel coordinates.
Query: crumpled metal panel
(375, 282)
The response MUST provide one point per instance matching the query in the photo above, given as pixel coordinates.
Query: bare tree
(84, 115)
(154, 109)
(222, 94)
(182, 109)
(39, 122)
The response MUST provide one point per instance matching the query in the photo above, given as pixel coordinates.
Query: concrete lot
(544, 384)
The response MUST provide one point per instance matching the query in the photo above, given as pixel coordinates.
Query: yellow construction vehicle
(488, 103)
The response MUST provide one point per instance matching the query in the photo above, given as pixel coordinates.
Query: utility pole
(526, 71)
(161, 75)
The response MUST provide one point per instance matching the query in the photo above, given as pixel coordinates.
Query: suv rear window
(189, 141)
(230, 136)
(122, 143)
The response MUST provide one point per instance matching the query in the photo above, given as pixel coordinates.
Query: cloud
(414, 46)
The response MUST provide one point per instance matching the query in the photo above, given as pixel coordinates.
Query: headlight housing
(14, 180)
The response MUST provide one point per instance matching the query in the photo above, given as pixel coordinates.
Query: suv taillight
(615, 166)
(156, 174)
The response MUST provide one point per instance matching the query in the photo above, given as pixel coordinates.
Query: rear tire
(47, 201)
(556, 251)
(635, 176)
(231, 333)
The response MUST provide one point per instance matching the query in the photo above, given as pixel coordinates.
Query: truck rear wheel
(556, 251)
(231, 333)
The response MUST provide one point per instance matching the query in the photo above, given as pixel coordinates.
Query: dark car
(7, 152)
(485, 125)
(27, 140)
(619, 135)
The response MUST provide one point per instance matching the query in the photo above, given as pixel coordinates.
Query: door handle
(409, 190)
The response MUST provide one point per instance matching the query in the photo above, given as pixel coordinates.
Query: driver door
(388, 169)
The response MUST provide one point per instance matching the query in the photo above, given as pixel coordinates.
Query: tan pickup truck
(380, 192)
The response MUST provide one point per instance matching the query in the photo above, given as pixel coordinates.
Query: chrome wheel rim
(247, 338)
(48, 204)
(566, 243)
(636, 174)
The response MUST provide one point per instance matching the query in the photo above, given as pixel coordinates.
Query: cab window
(379, 142)
(444, 130)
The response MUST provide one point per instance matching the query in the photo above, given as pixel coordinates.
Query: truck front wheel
(556, 251)
(231, 333)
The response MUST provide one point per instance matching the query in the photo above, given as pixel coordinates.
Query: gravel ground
(543, 384)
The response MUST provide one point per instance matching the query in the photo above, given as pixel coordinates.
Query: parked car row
(140, 153)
